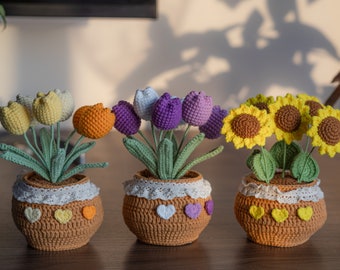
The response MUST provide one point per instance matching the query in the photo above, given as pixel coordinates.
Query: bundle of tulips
(55, 207)
(180, 196)
(166, 155)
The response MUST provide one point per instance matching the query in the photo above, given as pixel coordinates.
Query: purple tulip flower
(144, 101)
(167, 112)
(212, 128)
(127, 121)
(197, 107)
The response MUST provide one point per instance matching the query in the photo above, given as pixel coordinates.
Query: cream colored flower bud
(67, 103)
(27, 102)
(15, 118)
(47, 108)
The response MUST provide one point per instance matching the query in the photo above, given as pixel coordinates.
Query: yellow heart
(280, 215)
(63, 216)
(305, 213)
(89, 212)
(256, 211)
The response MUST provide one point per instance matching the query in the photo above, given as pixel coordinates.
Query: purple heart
(193, 210)
(209, 207)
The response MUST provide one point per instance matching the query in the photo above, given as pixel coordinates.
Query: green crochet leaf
(186, 152)
(304, 168)
(19, 157)
(81, 167)
(81, 149)
(165, 159)
(169, 135)
(142, 153)
(264, 166)
(45, 141)
(57, 165)
(278, 152)
(249, 160)
(198, 160)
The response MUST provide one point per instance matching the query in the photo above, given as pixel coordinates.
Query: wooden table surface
(222, 245)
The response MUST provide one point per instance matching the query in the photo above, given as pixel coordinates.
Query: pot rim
(190, 176)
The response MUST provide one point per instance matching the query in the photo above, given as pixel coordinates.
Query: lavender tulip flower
(127, 121)
(167, 112)
(144, 101)
(197, 107)
(213, 126)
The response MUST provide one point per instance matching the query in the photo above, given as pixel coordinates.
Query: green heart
(256, 212)
(280, 215)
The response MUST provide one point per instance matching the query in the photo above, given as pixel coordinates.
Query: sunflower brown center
(245, 126)
(262, 106)
(329, 130)
(288, 118)
(314, 106)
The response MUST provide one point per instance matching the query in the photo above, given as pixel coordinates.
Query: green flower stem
(42, 160)
(76, 145)
(184, 137)
(284, 159)
(52, 141)
(36, 143)
(154, 136)
(146, 140)
(67, 142)
(307, 144)
(58, 135)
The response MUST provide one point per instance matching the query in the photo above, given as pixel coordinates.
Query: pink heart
(193, 210)
(209, 207)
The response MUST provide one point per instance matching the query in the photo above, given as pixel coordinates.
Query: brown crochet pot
(143, 219)
(290, 224)
(51, 227)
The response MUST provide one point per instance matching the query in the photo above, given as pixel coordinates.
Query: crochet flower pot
(56, 217)
(282, 208)
(167, 213)
(282, 213)
(53, 206)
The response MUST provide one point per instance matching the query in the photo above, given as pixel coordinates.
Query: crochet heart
(193, 210)
(305, 213)
(63, 216)
(209, 207)
(256, 212)
(280, 215)
(32, 214)
(166, 211)
(89, 212)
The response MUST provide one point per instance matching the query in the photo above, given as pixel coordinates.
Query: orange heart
(89, 212)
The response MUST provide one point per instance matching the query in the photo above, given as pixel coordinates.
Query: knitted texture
(172, 222)
(143, 102)
(196, 108)
(27, 102)
(269, 222)
(167, 112)
(53, 228)
(212, 128)
(127, 121)
(67, 103)
(47, 108)
(15, 118)
(94, 122)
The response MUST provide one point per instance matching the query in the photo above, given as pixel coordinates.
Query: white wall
(230, 49)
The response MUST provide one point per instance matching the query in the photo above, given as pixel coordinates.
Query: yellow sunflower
(291, 118)
(260, 101)
(325, 131)
(247, 126)
(312, 102)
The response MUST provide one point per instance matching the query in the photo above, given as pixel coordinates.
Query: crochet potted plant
(53, 205)
(280, 203)
(167, 203)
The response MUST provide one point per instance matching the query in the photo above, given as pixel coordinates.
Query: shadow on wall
(250, 69)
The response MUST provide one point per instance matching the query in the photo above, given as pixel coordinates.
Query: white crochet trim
(54, 196)
(272, 192)
(166, 190)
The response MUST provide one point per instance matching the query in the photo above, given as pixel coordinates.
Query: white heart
(166, 211)
(32, 215)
